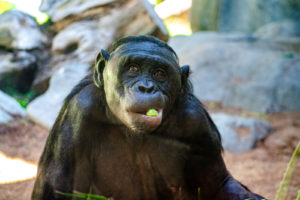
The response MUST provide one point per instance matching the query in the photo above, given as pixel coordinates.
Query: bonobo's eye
(160, 75)
(133, 68)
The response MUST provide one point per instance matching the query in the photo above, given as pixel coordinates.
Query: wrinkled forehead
(147, 50)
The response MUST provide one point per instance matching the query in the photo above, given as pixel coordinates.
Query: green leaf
(92, 196)
(288, 55)
(80, 195)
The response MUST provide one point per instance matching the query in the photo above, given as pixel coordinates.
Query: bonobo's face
(137, 77)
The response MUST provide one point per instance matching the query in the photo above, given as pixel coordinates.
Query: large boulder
(45, 108)
(138, 14)
(22, 50)
(59, 9)
(242, 71)
(20, 31)
(240, 134)
(17, 70)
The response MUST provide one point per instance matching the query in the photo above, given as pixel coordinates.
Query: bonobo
(103, 141)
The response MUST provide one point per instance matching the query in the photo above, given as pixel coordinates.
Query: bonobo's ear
(101, 58)
(184, 72)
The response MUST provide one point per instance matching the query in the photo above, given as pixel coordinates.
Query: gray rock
(80, 37)
(240, 134)
(81, 41)
(20, 31)
(45, 108)
(11, 106)
(17, 70)
(4, 117)
(59, 9)
(15, 61)
(242, 71)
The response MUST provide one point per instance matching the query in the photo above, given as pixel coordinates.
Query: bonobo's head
(138, 74)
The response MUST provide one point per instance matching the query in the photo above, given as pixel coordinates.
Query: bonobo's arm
(205, 168)
(231, 189)
(55, 171)
(64, 150)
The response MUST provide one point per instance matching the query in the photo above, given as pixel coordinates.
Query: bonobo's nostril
(149, 88)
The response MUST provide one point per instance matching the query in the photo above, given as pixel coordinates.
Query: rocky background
(245, 68)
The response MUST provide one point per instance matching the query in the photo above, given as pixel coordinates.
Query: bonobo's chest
(139, 167)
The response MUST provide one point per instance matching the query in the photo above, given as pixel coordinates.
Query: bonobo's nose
(146, 87)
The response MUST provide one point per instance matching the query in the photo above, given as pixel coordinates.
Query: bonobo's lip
(153, 121)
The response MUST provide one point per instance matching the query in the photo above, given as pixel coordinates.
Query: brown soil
(23, 140)
(261, 169)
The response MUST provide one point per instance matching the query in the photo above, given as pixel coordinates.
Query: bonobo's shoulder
(194, 114)
(193, 108)
(200, 118)
(86, 99)
(189, 114)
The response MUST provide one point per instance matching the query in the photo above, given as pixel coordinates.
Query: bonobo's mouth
(142, 116)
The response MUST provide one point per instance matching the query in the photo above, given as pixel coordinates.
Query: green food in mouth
(152, 113)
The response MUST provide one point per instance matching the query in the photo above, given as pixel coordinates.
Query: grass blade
(284, 185)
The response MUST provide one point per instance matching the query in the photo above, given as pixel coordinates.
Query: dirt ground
(261, 169)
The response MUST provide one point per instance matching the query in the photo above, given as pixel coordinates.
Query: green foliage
(23, 99)
(198, 194)
(298, 197)
(284, 185)
(80, 195)
(41, 18)
(5, 6)
(288, 55)
(204, 15)
(158, 2)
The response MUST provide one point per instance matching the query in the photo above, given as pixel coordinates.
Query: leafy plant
(23, 99)
(288, 55)
(80, 195)
(5, 6)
